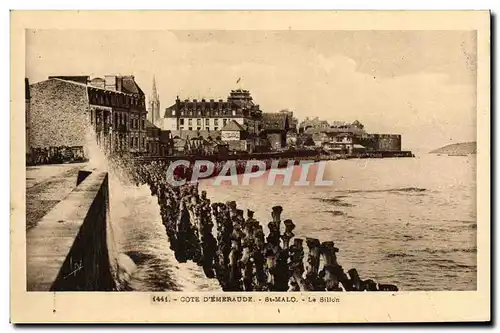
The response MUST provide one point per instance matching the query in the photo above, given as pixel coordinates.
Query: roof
(78, 78)
(273, 121)
(83, 85)
(233, 126)
(165, 135)
(150, 124)
(130, 86)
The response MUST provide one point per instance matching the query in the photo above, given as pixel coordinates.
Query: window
(224, 122)
(216, 122)
(142, 123)
(216, 128)
(190, 121)
(136, 142)
(234, 112)
(173, 112)
(198, 122)
(207, 122)
(190, 128)
(207, 128)
(198, 128)
(143, 142)
(181, 121)
(132, 142)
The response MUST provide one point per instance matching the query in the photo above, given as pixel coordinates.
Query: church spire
(154, 94)
(154, 104)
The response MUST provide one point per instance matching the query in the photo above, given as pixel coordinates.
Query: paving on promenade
(46, 185)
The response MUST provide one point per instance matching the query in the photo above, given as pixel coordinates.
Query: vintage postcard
(250, 167)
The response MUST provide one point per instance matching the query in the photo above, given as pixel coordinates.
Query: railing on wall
(56, 155)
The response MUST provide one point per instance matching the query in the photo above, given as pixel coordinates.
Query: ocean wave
(452, 250)
(452, 265)
(335, 201)
(399, 255)
(390, 190)
(408, 237)
(336, 212)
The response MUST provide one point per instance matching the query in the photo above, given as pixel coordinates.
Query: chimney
(119, 83)
(110, 82)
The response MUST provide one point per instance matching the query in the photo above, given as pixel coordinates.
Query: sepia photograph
(274, 167)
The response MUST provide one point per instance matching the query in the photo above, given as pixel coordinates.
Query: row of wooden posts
(240, 255)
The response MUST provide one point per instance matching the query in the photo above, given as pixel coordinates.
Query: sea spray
(122, 265)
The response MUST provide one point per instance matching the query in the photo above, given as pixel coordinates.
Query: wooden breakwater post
(240, 255)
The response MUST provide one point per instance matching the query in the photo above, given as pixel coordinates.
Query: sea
(406, 221)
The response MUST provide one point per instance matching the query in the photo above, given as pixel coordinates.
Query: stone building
(381, 142)
(313, 123)
(275, 127)
(212, 115)
(64, 108)
(293, 122)
(121, 98)
(153, 139)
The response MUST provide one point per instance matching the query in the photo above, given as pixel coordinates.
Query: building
(166, 143)
(153, 139)
(207, 135)
(381, 142)
(314, 123)
(234, 135)
(154, 105)
(343, 143)
(293, 122)
(232, 131)
(291, 138)
(275, 127)
(64, 108)
(212, 115)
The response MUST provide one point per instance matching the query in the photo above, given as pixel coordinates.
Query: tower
(154, 104)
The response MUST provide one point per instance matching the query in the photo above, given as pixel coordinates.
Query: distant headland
(463, 148)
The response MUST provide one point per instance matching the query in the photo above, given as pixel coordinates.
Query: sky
(421, 84)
